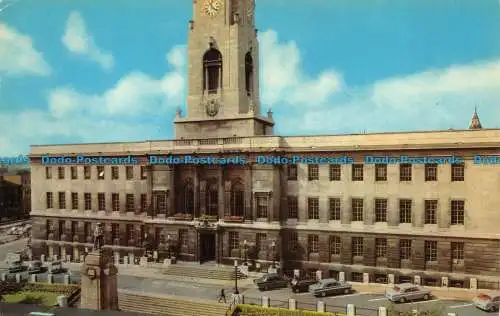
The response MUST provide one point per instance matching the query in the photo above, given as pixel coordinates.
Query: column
(248, 193)
(196, 191)
(221, 193)
(227, 198)
(345, 211)
(254, 205)
(203, 197)
(270, 207)
(149, 190)
(368, 211)
(393, 211)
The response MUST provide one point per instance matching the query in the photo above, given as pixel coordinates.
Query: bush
(393, 310)
(7, 287)
(63, 289)
(252, 310)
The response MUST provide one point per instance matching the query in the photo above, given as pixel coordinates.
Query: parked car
(487, 302)
(329, 287)
(405, 292)
(15, 267)
(271, 281)
(302, 285)
(35, 267)
(55, 267)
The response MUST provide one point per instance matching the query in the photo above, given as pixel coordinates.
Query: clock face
(212, 7)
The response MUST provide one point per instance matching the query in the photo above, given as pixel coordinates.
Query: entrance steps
(204, 271)
(152, 304)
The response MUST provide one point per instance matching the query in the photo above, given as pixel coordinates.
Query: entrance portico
(208, 242)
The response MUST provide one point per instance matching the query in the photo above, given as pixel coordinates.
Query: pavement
(367, 298)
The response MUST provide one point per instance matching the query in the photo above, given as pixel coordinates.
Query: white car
(405, 292)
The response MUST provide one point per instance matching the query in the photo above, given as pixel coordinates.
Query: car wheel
(402, 300)
(426, 297)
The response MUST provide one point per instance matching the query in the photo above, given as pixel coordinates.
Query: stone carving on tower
(475, 123)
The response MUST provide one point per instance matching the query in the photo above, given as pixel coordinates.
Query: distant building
(374, 220)
(15, 193)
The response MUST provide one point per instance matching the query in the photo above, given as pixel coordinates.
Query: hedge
(252, 310)
(63, 289)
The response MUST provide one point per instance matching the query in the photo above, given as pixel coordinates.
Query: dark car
(299, 286)
(271, 281)
(35, 267)
(330, 286)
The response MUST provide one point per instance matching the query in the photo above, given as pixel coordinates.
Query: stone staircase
(153, 304)
(204, 272)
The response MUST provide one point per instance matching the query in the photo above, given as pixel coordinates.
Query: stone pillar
(319, 275)
(366, 277)
(296, 273)
(351, 310)
(265, 301)
(270, 207)
(390, 279)
(342, 276)
(227, 198)
(417, 280)
(51, 251)
(131, 258)
(56, 257)
(321, 307)
(125, 260)
(18, 278)
(42, 258)
(116, 256)
(68, 258)
(292, 304)
(473, 283)
(62, 301)
(196, 191)
(34, 278)
(50, 278)
(4, 276)
(382, 311)
(67, 279)
(249, 215)
(203, 197)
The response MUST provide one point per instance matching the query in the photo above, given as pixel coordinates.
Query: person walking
(222, 296)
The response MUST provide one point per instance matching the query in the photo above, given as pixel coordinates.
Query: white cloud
(78, 40)
(18, 56)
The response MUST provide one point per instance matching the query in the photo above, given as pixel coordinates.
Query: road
(366, 304)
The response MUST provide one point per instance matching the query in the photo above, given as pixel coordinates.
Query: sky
(115, 70)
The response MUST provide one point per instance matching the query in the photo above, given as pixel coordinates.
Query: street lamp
(236, 277)
(168, 246)
(273, 247)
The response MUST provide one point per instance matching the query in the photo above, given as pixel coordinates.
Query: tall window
(100, 172)
(60, 173)
(380, 172)
(144, 203)
(380, 210)
(313, 172)
(292, 172)
(115, 202)
(313, 243)
(49, 200)
(261, 200)
(249, 73)
(293, 207)
(260, 241)
(357, 246)
(335, 245)
(144, 172)
(129, 203)
(357, 172)
(115, 231)
(237, 199)
(62, 226)
(405, 211)
(212, 200)
(87, 229)
(62, 200)
(115, 174)
(405, 249)
(431, 172)
(457, 212)
(457, 252)
(160, 202)
(187, 198)
(101, 201)
(357, 210)
(87, 198)
(212, 70)
(130, 232)
(335, 173)
(74, 173)
(334, 206)
(74, 201)
(129, 172)
(430, 216)
(74, 228)
(86, 172)
(381, 248)
(48, 172)
(313, 208)
(457, 172)
(293, 242)
(234, 240)
(405, 172)
(430, 251)
(184, 238)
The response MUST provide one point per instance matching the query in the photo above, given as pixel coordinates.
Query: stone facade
(353, 217)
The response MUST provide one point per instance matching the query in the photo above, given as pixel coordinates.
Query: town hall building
(354, 220)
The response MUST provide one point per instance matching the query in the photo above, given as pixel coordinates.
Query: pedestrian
(222, 297)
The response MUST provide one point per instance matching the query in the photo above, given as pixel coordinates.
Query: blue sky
(115, 70)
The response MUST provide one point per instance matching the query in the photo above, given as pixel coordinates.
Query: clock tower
(223, 73)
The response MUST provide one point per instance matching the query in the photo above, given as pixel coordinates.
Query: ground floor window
(334, 274)
(456, 283)
(357, 277)
(430, 282)
(405, 279)
(381, 278)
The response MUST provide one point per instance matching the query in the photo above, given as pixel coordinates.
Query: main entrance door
(207, 246)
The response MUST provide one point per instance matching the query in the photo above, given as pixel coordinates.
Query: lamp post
(273, 247)
(168, 247)
(236, 277)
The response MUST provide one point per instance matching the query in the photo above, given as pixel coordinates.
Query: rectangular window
(74, 173)
(293, 242)
(48, 172)
(130, 232)
(313, 172)
(430, 251)
(292, 172)
(115, 202)
(457, 172)
(381, 248)
(62, 225)
(357, 172)
(87, 198)
(334, 206)
(405, 211)
(160, 202)
(431, 172)
(380, 210)
(312, 244)
(293, 207)
(86, 172)
(357, 246)
(457, 212)
(129, 172)
(74, 228)
(261, 202)
(405, 249)
(430, 212)
(49, 200)
(260, 241)
(457, 252)
(357, 210)
(144, 174)
(184, 238)
(130, 203)
(335, 173)
(62, 200)
(313, 208)
(115, 231)
(405, 172)
(87, 229)
(74, 201)
(234, 240)
(115, 173)
(335, 245)
(380, 172)
(100, 172)
(101, 201)
(60, 173)
(144, 203)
